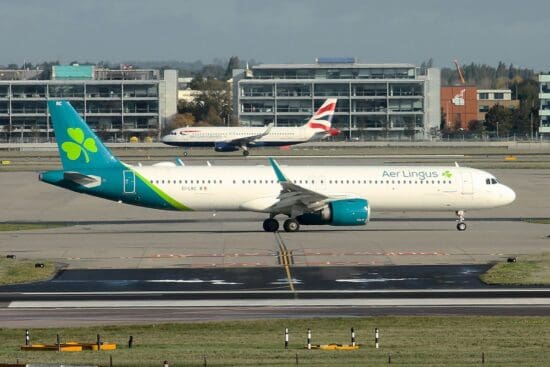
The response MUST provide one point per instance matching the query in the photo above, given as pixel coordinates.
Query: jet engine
(345, 212)
(224, 147)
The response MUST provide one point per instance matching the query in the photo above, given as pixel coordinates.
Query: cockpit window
(491, 181)
(494, 181)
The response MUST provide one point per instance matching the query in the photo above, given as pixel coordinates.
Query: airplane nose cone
(508, 195)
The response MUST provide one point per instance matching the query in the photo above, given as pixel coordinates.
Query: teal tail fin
(78, 146)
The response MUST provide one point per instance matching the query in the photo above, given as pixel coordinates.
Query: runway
(91, 297)
(63, 317)
(207, 251)
(106, 235)
(255, 279)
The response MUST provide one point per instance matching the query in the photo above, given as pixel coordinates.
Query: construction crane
(459, 72)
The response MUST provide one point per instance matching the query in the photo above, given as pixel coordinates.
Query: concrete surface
(104, 234)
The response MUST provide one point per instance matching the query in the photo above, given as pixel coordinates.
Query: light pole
(462, 131)
(497, 129)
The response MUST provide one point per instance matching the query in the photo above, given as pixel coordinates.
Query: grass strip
(527, 270)
(5, 227)
(15, 271)
(410, 341)
(537, 220)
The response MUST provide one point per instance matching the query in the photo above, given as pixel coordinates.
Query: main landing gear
(291, 225)
(272, 225)
(246, 152)
(461, 225)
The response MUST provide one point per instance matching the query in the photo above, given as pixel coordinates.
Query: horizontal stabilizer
(81, 179)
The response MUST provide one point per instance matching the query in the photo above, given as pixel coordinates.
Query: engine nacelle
(224, 147)
(345, 212)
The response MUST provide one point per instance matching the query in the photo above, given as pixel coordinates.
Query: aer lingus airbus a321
(230, 139)
(306, 195)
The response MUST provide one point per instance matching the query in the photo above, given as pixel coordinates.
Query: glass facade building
(374, 100)
(117, 104)
(544, 112)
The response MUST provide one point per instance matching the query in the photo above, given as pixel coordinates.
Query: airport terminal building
(544, 112)
(118, 104)
(374, 100)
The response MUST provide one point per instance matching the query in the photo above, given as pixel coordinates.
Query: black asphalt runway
(160, 293)
(261, 279)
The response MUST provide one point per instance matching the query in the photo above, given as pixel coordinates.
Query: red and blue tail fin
(322, 119)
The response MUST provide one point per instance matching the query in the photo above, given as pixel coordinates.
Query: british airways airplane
(230, 139)
(305, 195)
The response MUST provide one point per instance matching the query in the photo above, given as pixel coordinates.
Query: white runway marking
(213, 281)
(435, 302)
(373, 280)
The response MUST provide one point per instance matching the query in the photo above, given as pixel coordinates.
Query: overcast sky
(277, 31)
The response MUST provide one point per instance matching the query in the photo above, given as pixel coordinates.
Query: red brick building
(459, 106)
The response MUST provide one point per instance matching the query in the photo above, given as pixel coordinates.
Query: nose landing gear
(461, 225)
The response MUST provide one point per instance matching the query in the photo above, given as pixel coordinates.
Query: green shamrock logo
(74, 149)
(447, 174)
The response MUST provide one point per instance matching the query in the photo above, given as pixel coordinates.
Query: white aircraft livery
(230, 139)
(306, 195)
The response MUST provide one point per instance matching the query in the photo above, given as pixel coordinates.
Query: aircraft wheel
(246, 153)
(271, 225)
(461, 226)
(291, 225)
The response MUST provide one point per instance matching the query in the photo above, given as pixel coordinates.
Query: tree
(234, 63)
(485, 76)
(182, 120)
(213, 117)
(476, 128)
(521, 122)
(499, 118)
(213, 71)
(501, 70)
(443, 122)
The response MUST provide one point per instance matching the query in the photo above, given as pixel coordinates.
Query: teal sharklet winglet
(280, 176)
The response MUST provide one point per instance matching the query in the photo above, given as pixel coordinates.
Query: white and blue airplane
(230, 139)
(306, 195)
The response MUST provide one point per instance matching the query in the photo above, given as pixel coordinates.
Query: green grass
(528, 270)
(411, 341)
(537, 220)
(14, 271)
(5, 227)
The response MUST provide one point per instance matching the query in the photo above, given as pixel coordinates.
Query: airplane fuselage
(209, 136)
(307, 195)
(255, 188)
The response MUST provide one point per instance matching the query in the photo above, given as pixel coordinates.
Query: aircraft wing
(245, 140)
(295, 199)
